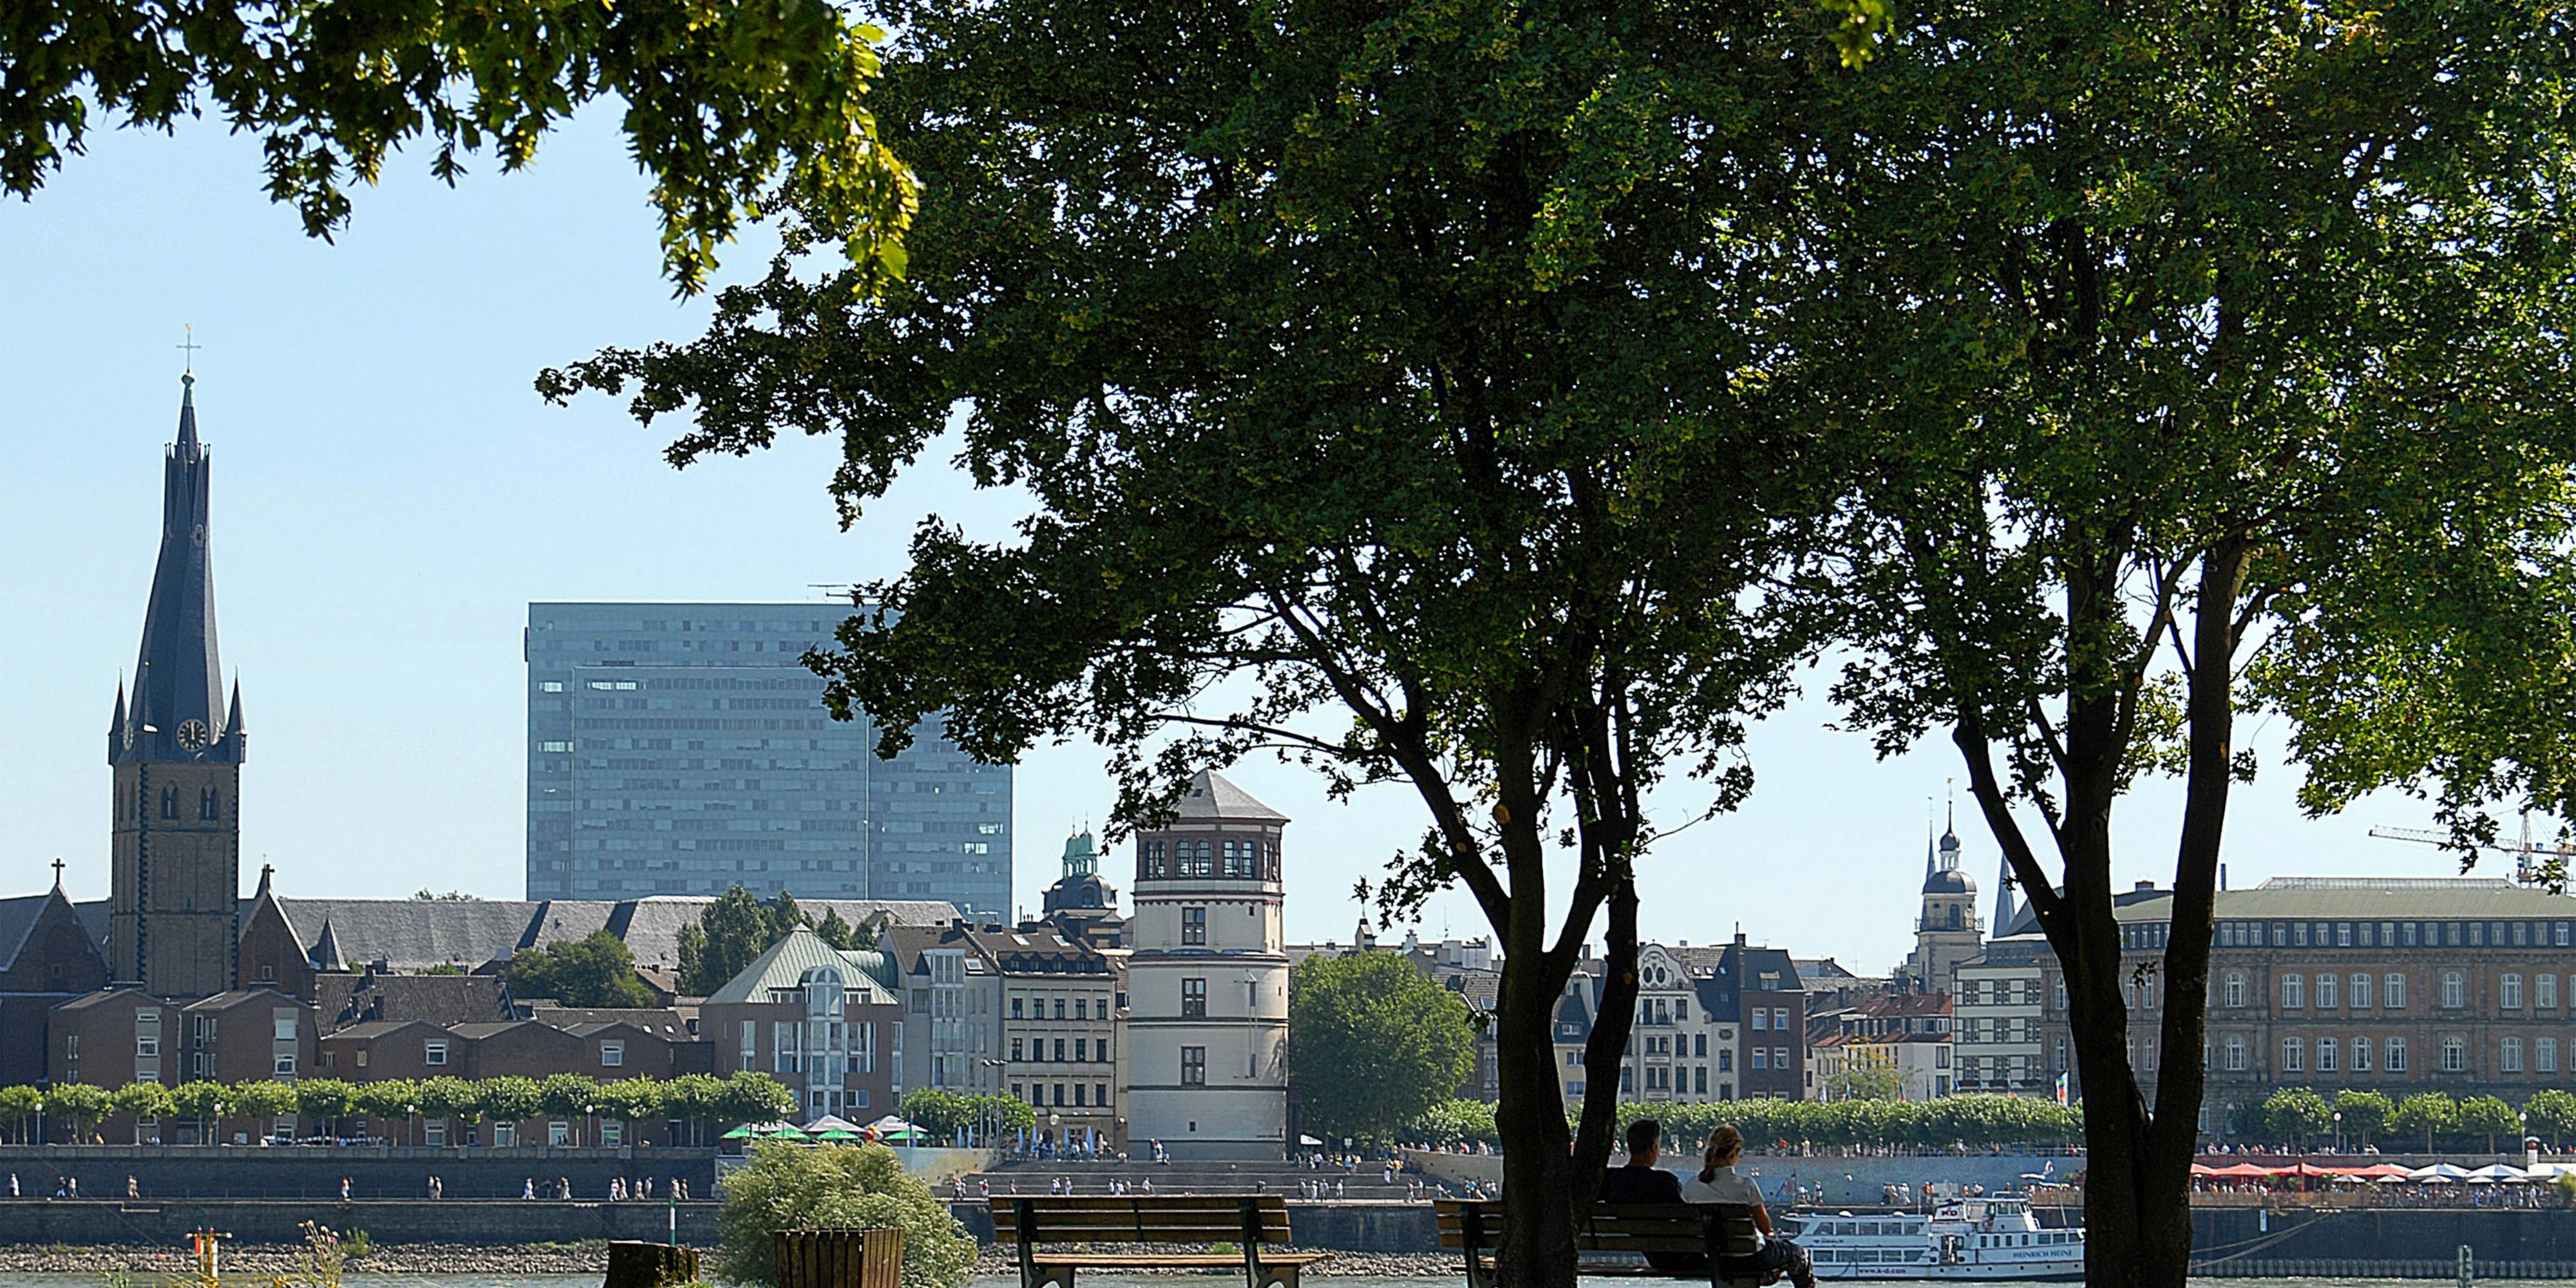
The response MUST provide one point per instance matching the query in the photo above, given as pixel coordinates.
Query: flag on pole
(2061, 1089)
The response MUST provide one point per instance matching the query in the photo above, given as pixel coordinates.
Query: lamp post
(2338, 1122)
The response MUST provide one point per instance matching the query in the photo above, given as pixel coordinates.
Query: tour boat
(1968, 1240)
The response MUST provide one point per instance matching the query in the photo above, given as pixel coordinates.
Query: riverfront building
(682, 749)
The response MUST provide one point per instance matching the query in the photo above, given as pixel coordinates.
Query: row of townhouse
(1726, 1022)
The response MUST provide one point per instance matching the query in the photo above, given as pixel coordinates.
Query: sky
(390, 494)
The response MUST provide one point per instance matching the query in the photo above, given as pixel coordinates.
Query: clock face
(192, 735)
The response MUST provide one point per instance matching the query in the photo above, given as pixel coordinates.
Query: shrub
(795, 1187)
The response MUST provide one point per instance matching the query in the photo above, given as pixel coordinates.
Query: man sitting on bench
(1643, 1182)
(1717, 1182)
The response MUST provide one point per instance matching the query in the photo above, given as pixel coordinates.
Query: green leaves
(1373, 1043)
(788, 1187)
(595, 970)
(736, 110)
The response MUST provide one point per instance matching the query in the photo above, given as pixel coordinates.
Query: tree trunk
(1529, 1116)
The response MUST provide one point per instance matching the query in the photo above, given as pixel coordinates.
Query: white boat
(1964, 1240)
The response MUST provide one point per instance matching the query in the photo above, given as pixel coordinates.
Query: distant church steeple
(177, 752)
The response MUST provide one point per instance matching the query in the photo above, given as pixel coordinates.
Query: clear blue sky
(390, 494)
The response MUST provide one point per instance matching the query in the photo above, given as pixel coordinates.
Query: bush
(796, 1187)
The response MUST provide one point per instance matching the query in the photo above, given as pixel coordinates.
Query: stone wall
(314, 1172)
(481, 1222)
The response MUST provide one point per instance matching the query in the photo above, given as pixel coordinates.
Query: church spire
(2004, 910)
(178, 679)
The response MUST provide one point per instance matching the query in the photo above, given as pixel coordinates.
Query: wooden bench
(1256, 1222)
(1722, 1232)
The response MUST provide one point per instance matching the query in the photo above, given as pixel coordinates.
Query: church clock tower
(177, 756)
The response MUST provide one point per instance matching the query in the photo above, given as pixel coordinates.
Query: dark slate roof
(178, 677)
(18, 917)
(651, 927)
(1211, 796)
(379, 1028)
(347, 1000)
(659, 1021)
(103, 996)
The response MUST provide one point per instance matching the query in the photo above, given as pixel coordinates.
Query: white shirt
(1722, 1186)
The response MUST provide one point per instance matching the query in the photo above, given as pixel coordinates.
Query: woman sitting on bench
(1717, 1182)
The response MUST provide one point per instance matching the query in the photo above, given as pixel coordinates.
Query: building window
(2454, 990)
(1059, 1008)
(147, 1034)
(2396, 1055)
(2294, 990)
(2511, 1052)
(1193, 925)
(2455, 1055)
(2235, 1054)
(612, 1133)
(1100, 1094)
(559, 1133)
(434, 1052)
(2236, 988)
(2545, 1053)
(1016, 1053)
(2294, 1054)
(1194, 997)
(612, 1054)
(1059, 1051)
(2325, 992)
(2360, 991)
(2327, 1055)
(2392, 994)
(2509, 990)
(1761, 1057)
(1081, 1050)
(1193, 1066)
(2544, 992)
(434, 1133)
(1761, 1019)
(2361, 1055)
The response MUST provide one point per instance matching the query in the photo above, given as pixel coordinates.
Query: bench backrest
(1616, 1227)
(1141, 1218)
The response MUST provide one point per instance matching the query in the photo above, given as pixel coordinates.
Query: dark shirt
(1635, 1184)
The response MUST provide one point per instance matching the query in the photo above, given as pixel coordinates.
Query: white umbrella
(2499, 1172)
(2438, 1172)
(830, 1122)
(2390, 1180)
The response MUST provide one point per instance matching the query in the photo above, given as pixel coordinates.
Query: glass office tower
(682, 748)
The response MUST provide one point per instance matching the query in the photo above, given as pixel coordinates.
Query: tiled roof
(2371, 899)
(378, 1028)
(440, 999)
(17, 917)
(1212, 796)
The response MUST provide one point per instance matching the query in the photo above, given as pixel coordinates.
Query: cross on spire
(190, 348)
(58, 873)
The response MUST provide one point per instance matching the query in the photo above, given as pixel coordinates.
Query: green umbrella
(836, 1133)
(740, 1133)
(788, 1131)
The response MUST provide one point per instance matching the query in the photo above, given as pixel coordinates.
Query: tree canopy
(1373, 1043)
(1386, 383)
(597, 969)
(732, 932)
(2209, 361)
(734, 110)
(787, 1187)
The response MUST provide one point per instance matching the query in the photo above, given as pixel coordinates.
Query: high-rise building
(684, 749)
(1207, 982)
(177, 752)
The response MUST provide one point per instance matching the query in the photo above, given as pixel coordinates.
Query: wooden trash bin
(649, 1265)
(839, 1258)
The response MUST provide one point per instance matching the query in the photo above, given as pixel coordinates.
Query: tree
(730, 108)
(443, 1098)
(511, 1100)
(2490, 1117)
(2156, 322)
(79, 1106)
(1373, 1043)
(694, 1099)
(753, 1098)
(631, 1101)
(941, 1113)
(2365, 1114)
(204, 1102)
(424, 895)
(1454, 1122)
(141, 1100)
(1389, 388)
(1866, 1082)
(264, 1102)
(19, 1106)
(2429, 1112)
(568, 1095)
(2551, 1111)
(2297, 1115)
(326, 1101)
(393, 1099)
(841, 934)
(597, 969)
(731, 932)
(789, 1187)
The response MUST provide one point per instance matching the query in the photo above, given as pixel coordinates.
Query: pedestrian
(13, 1185)
(528, 1188)
(437, 1188)
(75, 1186)
(344, 1189)
(132, 1190)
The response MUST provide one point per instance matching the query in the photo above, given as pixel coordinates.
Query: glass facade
(683, 748)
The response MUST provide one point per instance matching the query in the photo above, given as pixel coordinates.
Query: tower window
(1193, 925)
(1193, 1066)
(210, 805)
(169, 802)
(1194, 997)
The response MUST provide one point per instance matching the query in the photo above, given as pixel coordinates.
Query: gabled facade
(46, 958)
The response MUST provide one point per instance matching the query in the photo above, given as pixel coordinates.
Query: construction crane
(2533, 863)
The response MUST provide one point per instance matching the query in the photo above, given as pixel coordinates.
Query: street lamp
(2338, 1122)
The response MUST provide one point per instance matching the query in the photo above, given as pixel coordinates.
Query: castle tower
(1207, 984)
(177, 754)
(1948, 931)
